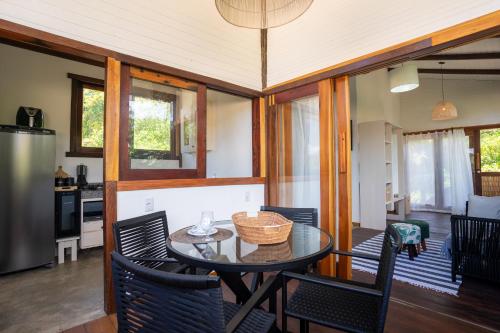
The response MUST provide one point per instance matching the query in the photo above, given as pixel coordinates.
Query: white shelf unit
(381, 161)
(91, 231)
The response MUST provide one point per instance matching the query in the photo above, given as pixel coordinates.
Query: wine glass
(206, 224)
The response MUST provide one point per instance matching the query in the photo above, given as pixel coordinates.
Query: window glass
(162, 133)
(92, 118)
(490, 151)
(229, 135)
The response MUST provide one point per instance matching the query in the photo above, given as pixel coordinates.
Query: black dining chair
(149, 300)
(346, 305)
(307, 216)
(143, 240)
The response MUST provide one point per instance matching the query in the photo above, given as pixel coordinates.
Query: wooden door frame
(327, 158)
(474, 132)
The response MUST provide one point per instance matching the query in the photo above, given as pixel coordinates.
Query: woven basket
(266, 228)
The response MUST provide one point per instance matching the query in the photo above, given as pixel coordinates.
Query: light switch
(149, 205)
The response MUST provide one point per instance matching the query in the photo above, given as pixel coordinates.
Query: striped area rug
(429, 270)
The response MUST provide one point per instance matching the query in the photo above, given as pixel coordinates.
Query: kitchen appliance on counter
(81, 175)
(26, 197)
(29, 116)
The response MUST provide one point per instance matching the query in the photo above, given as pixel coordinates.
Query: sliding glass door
(485, 143)
(298, 153)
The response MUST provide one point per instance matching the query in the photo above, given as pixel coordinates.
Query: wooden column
(343, 116)
(272, 152)
(111, 163)
(263, 137)
(256, 140)
(327, 169)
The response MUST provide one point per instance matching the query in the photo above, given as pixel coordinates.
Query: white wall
(34, 79)
(374, 101)
(187, 34)
(331, 32)
(477, 101)
(229, 135)
(184, 205)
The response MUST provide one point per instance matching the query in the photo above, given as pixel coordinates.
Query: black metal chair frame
(152, 261)
(380, 290)
(475, 247)
(307, 216)
(164, 280)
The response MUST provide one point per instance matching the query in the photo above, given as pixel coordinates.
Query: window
(490, 152)
(163, 133)
(229, 135)
(87, 117)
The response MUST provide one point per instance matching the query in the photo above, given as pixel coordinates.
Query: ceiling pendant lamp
(404, 78)
(261, 14)
(444, 110)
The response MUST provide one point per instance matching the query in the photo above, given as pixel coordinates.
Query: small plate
(195, 231)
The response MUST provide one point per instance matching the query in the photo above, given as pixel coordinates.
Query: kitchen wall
(34, 79)
(477, 101)
(187, 34)
(184, 205)
(331, 32)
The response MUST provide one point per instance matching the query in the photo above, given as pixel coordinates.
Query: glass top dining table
(305, 245)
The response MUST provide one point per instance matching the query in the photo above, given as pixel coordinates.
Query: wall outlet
(149, 205)
(248, 196)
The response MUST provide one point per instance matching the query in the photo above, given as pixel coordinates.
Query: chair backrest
(142, 236)
(149, 300)
(475, 246)
(307, 216)
(383, 281)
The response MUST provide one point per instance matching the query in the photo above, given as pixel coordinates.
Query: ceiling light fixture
(261, 14)
(404, 78)
(444, 110)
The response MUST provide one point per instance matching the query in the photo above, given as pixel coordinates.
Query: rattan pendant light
(261, 14)
(444, 110)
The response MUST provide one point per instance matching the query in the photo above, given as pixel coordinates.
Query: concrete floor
(53, 299)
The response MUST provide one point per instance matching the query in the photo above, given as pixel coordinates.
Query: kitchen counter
(90, 194)
(91, 191)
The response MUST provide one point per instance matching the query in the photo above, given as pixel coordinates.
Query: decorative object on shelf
(404, 78)
(265, 228)
(444, 110)
(261, 14)
(60, 173)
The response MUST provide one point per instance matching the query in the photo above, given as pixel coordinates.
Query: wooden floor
(412, 309)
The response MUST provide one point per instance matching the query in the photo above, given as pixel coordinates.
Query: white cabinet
(381, 167)
(91, 226)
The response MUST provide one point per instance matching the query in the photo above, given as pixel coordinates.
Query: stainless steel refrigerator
(27, 162)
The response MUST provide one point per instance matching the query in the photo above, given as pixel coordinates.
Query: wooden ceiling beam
(459, 71)
(462, 56)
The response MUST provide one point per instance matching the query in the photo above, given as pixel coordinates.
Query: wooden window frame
(128, 174)
(78, 83)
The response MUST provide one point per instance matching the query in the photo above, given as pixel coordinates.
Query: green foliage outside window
(490, 150)
(152, 123)
(93, 118)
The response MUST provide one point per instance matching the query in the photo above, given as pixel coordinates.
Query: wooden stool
(63, 243)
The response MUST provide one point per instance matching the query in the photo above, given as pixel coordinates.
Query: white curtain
(305, 142)
(438, 171)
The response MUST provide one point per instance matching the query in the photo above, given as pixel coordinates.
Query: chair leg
(304, 326)
(424, 246)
